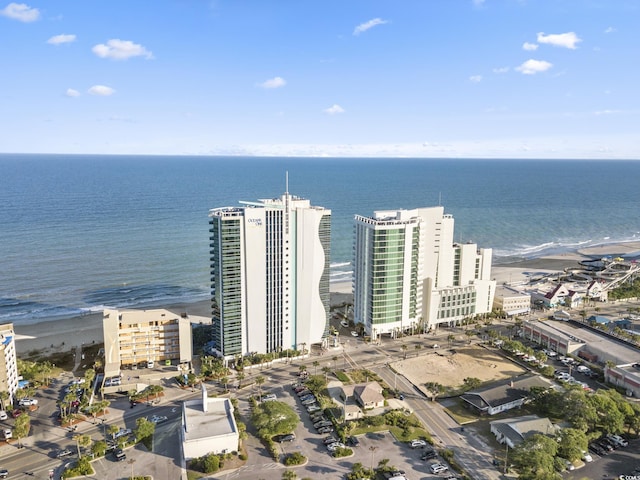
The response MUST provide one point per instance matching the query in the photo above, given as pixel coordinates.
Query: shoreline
(63, 334)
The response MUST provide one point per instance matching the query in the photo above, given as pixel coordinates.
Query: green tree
(315, 364)
(534, 457)
(274, 418)
(240, 376)
(472, 383)
(21, 427)
(289, 475)
(144, 428)
(404, 348)
(572, 443)
(435, 389)
(82, 441)
(4, 397)
(326, 371)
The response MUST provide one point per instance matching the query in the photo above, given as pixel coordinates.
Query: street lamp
(372, 449)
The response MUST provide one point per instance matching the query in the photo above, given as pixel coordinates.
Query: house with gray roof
(504, 395)
(513, 431)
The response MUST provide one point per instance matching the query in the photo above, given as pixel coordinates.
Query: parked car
(597, 449)
(290, 437)
(586, 457)
(438, 468)
(17, 412)
(312, 408)
(418, 444)
(307, 397)
(332, 447)
(3, 415)
(354, 333)
(329, 440)
(4, 473)
(428, 455)
(323, 423)
(119, 455)
(7, 433)
(353, 441)
(618, 440)
(323, 430)
(27, 402)
(158, 419)
(270, 397)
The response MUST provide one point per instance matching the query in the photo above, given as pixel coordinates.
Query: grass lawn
(460, 414)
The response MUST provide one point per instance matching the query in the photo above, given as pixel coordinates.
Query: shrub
(82, 467)
(342, 452)
(295, 458)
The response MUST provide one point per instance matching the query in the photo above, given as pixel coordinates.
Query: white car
(586, 456)
(158, 419)
(354, 333)
(122, 432)
(27, 402)
(7, 433)
(438, 468)
(418, 444)
(344, 323)
(334, 446)
(3, 415)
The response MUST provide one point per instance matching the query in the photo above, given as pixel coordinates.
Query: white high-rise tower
(409, 274)
(270, 275)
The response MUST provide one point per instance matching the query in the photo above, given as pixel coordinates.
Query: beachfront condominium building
(145, 338)
(269, 276)
(8, 362)
(410, 275)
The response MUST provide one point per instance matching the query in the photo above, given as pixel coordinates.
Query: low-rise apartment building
(150, 337)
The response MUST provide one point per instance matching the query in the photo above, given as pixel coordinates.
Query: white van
(150, 364)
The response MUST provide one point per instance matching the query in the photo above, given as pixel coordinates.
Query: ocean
(83, 232)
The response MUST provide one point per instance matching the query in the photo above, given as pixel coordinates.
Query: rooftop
(216, 420)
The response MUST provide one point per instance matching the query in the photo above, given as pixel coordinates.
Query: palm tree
(240, 376)
(335, 359)
(417, 348)
(259, 380)
(82, 441)
(4, 396)
(404, 350)
(315, 365)
(451, 337)
(224, 381)
(326, 371)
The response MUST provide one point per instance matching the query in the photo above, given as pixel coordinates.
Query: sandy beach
(64, 334)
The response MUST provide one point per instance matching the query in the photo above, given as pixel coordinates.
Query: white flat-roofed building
(135, 336)
(409, 274)
(8, 361)
(269, 276)
(208, 427)
(511, 301)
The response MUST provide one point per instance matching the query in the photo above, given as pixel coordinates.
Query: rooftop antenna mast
(286, 183)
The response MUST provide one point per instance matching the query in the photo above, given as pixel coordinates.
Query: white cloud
(334, 109)
(60, 39)
(275, 82)
(529, 46)
(610, 30)
(566, 40)
(72, 92)
(501, 70)
(117, 49)
(607, 112)
(363, 27)
(21, 12)
(531, 67)
(475, 78)
(101, 90)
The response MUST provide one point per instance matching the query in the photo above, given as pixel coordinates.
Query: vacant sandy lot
(450, 368)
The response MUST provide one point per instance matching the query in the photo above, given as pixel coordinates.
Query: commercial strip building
(135, 336)
(8, 361)
(511, 301)
(409, 274)
(208, 426)
(269, 276)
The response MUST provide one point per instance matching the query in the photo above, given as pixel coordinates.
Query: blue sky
(416, 78)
